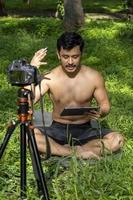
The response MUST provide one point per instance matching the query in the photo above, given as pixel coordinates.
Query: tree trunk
(74, 15)
(26, 1)
(2, 8)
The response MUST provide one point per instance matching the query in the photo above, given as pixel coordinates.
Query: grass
(109, 50)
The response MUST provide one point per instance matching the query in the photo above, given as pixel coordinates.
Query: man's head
(69, 40)
(69, 50)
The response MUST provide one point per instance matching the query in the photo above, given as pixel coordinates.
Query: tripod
(26, 131)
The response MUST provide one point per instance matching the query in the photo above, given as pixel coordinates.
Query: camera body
(21, 73)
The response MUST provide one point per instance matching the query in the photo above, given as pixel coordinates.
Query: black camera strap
(48, 149)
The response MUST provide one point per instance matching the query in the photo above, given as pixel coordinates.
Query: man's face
(70, 59)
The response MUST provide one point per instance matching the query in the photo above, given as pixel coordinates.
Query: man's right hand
(94, 115)
(38, 56)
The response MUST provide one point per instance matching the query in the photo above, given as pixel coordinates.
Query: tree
(26, 1)
(2, 8)
(128, 6)
(73, 14)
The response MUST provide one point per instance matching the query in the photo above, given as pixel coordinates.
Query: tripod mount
(26, 132)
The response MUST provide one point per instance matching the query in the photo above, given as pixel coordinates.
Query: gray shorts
(75, 134)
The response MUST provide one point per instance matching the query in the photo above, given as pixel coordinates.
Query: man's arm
(100, 94)
(37, 62)
(40, 90)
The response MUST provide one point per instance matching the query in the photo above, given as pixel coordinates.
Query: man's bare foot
(81, 153)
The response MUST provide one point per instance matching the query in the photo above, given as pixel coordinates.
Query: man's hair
(69, 40)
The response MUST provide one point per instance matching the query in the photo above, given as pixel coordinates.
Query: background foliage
(102, 5)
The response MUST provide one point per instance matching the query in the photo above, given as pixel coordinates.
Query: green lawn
(109, 47)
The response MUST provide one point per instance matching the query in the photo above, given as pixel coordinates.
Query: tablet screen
(78, 111)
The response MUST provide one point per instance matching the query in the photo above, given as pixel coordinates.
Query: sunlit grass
(96, 28)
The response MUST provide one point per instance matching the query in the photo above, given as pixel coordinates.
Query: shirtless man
(72, 84)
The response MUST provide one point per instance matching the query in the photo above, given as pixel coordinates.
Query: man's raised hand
(37, 58)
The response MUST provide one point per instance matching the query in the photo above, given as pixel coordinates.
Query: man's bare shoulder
(50, 74)
(91, 72)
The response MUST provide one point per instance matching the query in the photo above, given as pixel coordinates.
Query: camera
(21, 73)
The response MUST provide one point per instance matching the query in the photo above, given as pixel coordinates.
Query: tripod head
(24, 100)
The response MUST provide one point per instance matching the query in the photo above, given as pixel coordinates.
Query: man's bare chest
(78, 91)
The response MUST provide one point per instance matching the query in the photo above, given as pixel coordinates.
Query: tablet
(78, 111)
